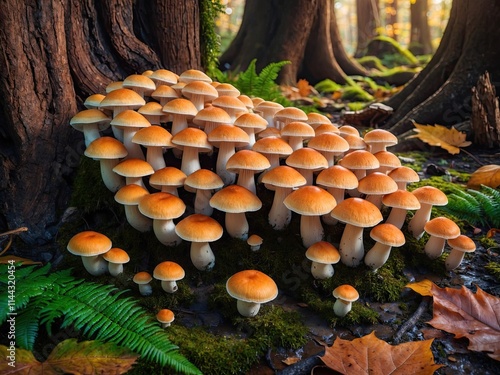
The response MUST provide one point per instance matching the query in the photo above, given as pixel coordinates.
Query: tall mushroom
(246, 163)
(204, 182)
(251, 288)
(200, 230)
(130, 122)
(428, 196)
(191, 141)
(440, 229)
(401, 202)
(134, 170)
(307, 161)
(357, 214)
(130, 196)
(386, 236)
(91, 122)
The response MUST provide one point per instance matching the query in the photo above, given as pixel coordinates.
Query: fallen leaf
(5, 259)
(488, 175)
(492, 232)
(465, 314)
(423, 287)
(290, 360)
(71, 357)
(449, 139)
(369, 354)
(304, 87)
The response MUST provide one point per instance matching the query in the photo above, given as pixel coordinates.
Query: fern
(100, 312)
(478, 207)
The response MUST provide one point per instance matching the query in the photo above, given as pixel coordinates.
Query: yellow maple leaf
(423, 287)
(449, 139)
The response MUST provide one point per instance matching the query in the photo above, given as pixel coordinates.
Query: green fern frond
(246, 80)
(27, 326)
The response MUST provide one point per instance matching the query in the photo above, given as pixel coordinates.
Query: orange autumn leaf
(465, 314)
(424, 287)
(369, 354)
(449, 139)
(488, 175)
(304, 87)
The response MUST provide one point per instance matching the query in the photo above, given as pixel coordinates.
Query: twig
(473, 157)
(11, 234)
(412, 320)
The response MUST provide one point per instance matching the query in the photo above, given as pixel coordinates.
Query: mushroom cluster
(323, 172)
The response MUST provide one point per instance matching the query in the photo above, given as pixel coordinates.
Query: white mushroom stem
(321, 270)
(134, 149)
(377, 255)
(165, 232)
(397, 217)
(190, 160)
(115, 268)
(246, 178)
(202, 256)
(351, 246)
(202, 202)
(226, 150)
(311, 229)
(295, 142)
(279, 215)
(376, 199)
(135, 180)
(137, 220)
(251, 137)
(145, 289)
(341, 307)
(339, 195)
(154, 156)
(165, 325)
(454, 259)
(90, 133)
(237, 225)
(308, 175)
(434, 247)
(95, 265)
(179, 122)
(418, 221)
(247, 309)
(274, 160)
(112, 180)
(169, 286)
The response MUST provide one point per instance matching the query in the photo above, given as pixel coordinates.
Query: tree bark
(485, 118)
(68, 50)
(367, 16)
(441, 93)
(300, 31)
(420, 35)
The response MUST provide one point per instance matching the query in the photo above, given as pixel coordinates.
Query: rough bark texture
(54, 54)
(367, 16)
(485, 118)
(441, 93)
(420, 35)
(299, 31)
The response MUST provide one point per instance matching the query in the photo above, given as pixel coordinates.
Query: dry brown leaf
(465, 314)
(449, 139)
(488, 175)
(369, 354)
(492, 232)
(290, 360)
(304, 87)
(423, 287)
(7, 258)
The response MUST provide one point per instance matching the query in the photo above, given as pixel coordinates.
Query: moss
(390, 52)
(494, 269)
(372, 62)
(210, 41)
(356, 93)
(356, 106)
(487, 242)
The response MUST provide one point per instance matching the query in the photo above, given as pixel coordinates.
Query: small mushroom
(386, 236)
(323, 255)
(143, 279)
(169, 273)
(439, 229)
(251, 288)
(255, 241)
(346, 295)
(459, 246)
(116, 258)
(428, 196)
(165, 317)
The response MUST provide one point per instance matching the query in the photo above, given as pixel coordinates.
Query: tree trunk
(420, 35)
(368, 16)
(300, 31)
(441, 93)
(485, 119)
(68, 50)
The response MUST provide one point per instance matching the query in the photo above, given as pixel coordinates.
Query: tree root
(412, 321)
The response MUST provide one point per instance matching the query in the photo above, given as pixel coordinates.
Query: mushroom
(116, 258)
(307, 161)
(376, 185)
(169, 273)
(181, 110)
(251, 288)
(163, 208)
(191, 75)
(359, 162)
(91, 122)
(168, 180)
(250, 123)
(227, 89)
(130, 122)
(273, 148)
(108, 151)
(316, 119)
(200, 230)
(310, 202)
(130, 196)
(296, 132)
(388, 161)
(379, 139)
(329, 145)
(191, 141)
(440, 229)
(143, 279)
(164, 77)
(139, 83)
(267, 110)
(155, 139)
(428, 196)
(322, 254)
(235, 200)
(287, 115)
(255, 241)
(134, 170)
(346, 295)
(203, 181)
(199, 92)
(90, 246)
(231, 104)
(401, 201)
(358, 214)
(283, 179)
(386, 237)
(459, 246)
(153, 112)
(210, 118)
(246, 163)
(164, 94)
(165, 317)
(403, 176)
